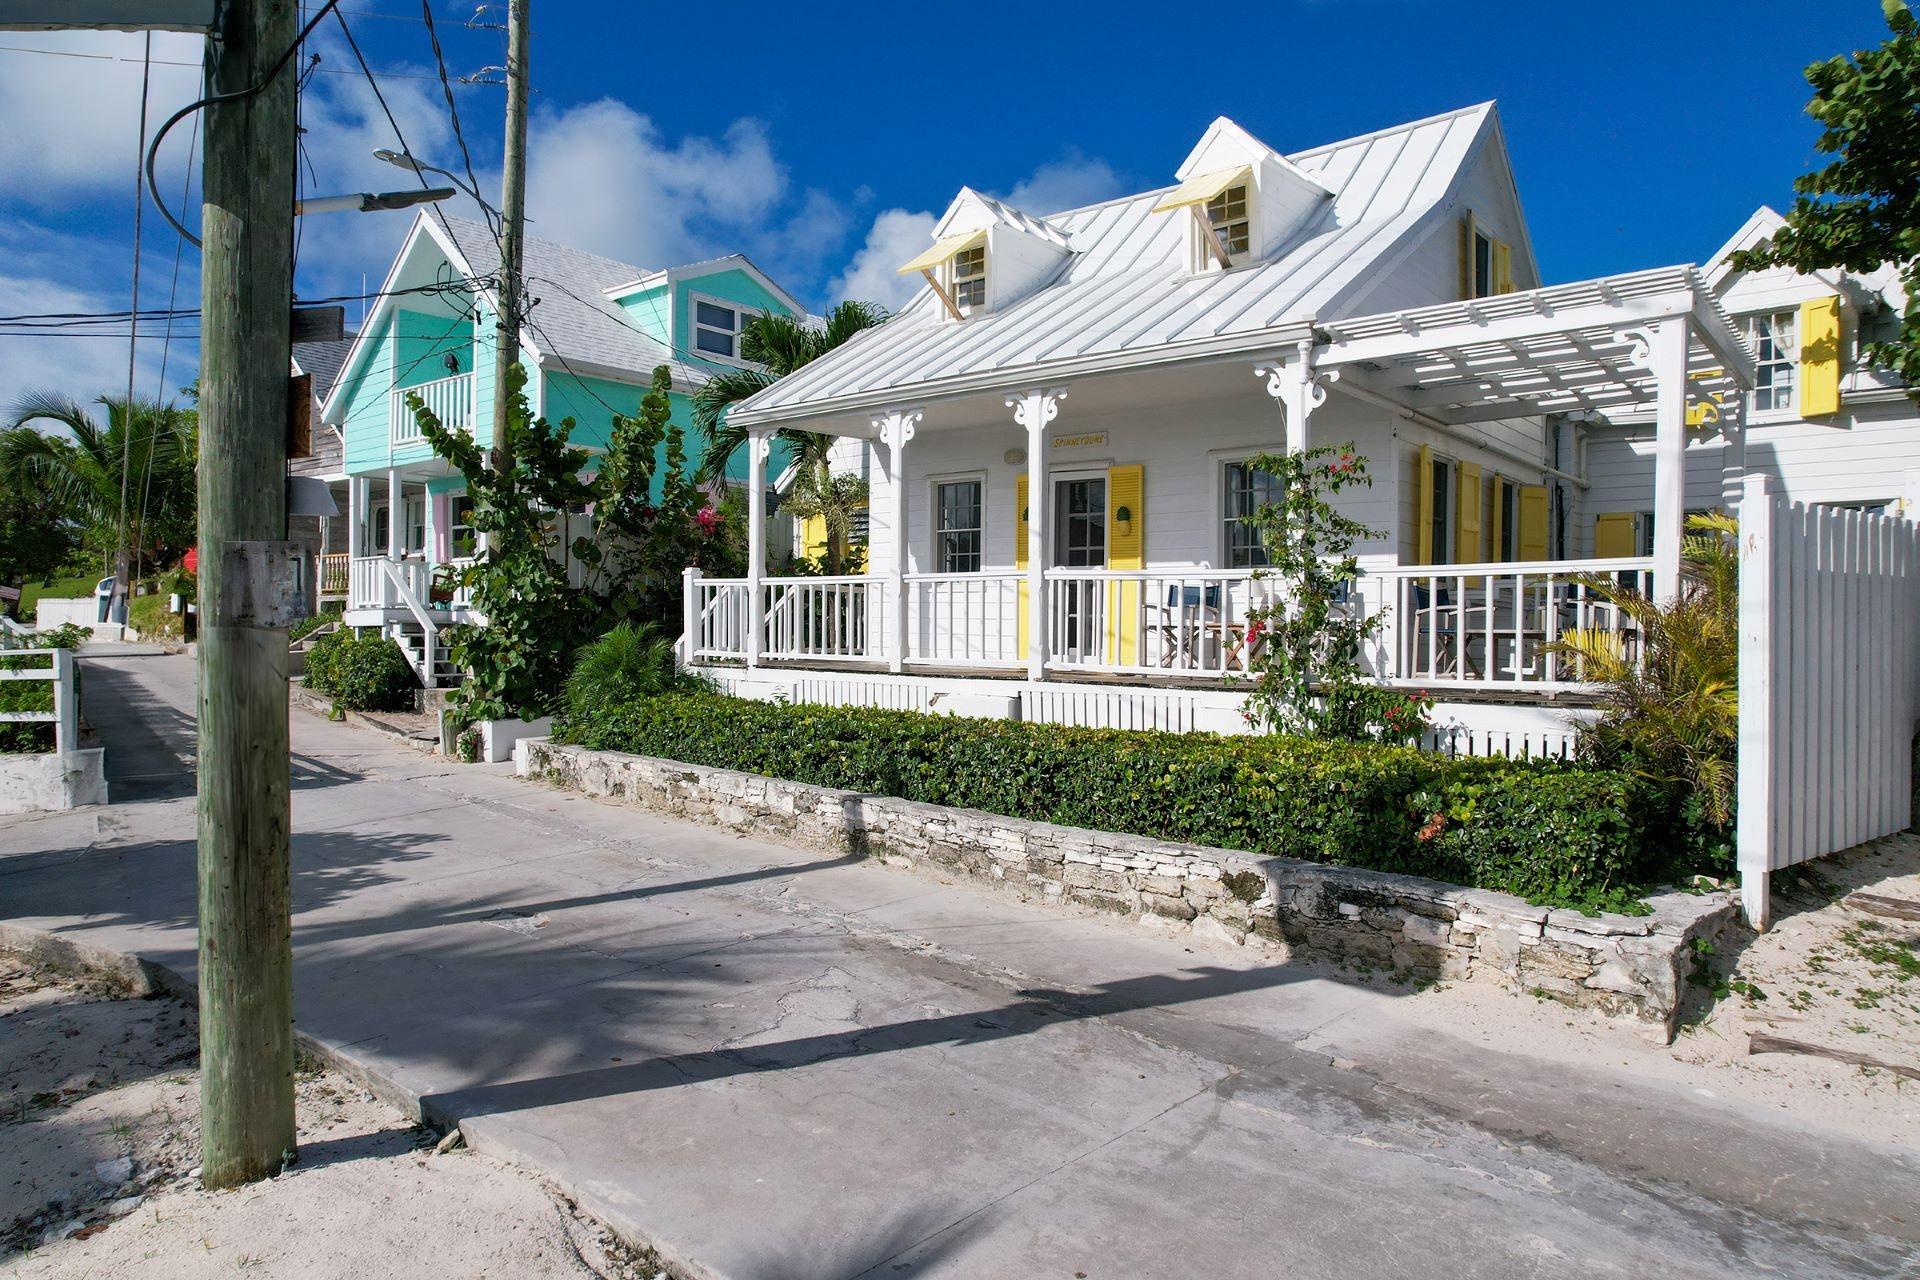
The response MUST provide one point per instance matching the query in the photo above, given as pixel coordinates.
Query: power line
(170, 62)
(453, 111)
(122, 588)
(160, 313)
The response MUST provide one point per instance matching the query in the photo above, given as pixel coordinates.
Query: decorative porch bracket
(1661, 349)
(1033, 410)
(894, 429)
(1298, 389)
(759, 445)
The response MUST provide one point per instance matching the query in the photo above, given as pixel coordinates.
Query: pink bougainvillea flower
(708, 519)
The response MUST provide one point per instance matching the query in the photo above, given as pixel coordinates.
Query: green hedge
(361, 673)
(1539, 829)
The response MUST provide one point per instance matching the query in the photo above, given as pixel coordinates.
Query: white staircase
(441, 673)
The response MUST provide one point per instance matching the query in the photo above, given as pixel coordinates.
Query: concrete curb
(143, 977)
(323, 707)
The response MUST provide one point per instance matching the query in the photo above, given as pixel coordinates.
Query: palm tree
(780, 344)
(1672, 712)
(80, 467)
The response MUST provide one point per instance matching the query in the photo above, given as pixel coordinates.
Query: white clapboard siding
(1829, 682)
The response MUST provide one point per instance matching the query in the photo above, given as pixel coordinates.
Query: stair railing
(428, 635)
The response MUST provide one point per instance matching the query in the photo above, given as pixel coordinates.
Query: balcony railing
(335, 570)
(450, 399)
(1487, 626)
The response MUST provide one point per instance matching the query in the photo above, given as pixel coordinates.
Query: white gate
(1829, 682)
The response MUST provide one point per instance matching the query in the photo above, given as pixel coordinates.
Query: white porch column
(1034, 409)
(894, 429)
(1666, 359)
(758, 445)
(356, 517)
(1298, 390)
(396, 517)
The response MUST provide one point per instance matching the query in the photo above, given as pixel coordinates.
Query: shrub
(68, 635)
(1535, 828)
(629, 661)
(310, 624)
(361, 673)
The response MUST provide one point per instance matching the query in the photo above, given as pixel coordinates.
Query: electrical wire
(218, 99)
(453, 111)
(133, 341)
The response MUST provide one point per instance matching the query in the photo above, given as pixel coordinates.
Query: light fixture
(372, 202)
(1123, 519)
(310, 496)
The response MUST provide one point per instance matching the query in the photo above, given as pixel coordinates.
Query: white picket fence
(1829, 682)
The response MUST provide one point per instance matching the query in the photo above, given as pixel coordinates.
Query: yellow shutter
(1126, 549)
(1020, 562)
(1497, 515)
(1614, 535)
(813, 537)
(1469, 502)
(1423, 508)
(1502, 267)
(1532, 542)
(1820, 357)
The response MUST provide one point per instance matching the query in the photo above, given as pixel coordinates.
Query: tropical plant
(79, 465)
(780, 344)
(650, 521)
(627, 662)
(1863, 209)
(361, 673)
(1671, 695)
(1305, 646)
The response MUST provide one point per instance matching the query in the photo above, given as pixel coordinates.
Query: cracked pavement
(769, 1062)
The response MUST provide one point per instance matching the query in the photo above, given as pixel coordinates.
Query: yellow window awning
(943, 249)
(1202, 188)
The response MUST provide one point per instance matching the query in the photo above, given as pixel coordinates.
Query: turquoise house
(596, 330)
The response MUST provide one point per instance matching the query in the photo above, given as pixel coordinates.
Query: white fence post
(689, 615)
(66, 703)
(1755, 818)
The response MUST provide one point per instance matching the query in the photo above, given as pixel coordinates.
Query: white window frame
(454, 499)
(1234, 258)
(1221, 516)
(1764, 365)
(934, 510)
(741, 314)
(953, 281)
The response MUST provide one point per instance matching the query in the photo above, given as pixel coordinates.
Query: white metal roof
(1126, 296)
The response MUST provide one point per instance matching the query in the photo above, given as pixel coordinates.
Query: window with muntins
(1443, 513)
(1507, 494)
(1227, 214)
(1248, 489)
(957, 528)
(460, 538)
(1484, 283)
(1774, 338)
(970, 278)
(1080, 534)
(718, 327)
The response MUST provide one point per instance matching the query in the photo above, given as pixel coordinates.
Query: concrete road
(776, 1064)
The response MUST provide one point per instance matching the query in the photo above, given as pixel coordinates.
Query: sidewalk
(771, 1063)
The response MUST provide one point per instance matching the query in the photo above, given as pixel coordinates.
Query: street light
(401, 160)
(371, 202)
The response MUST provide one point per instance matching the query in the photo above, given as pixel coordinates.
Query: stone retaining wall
(1628, 966)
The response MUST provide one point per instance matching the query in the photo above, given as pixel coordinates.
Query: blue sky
(823, 139)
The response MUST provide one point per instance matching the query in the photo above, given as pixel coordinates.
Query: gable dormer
(1243, 200)
(986, 255)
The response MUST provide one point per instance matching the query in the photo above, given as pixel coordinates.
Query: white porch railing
(1493, 626)
(1480, 627)
(827, 619)
(450, 399)
(965, 619)
(370, 585)
(1154, 621)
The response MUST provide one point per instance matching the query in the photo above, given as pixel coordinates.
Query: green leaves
(1863, 209)
(361, 673)
(1524, 827)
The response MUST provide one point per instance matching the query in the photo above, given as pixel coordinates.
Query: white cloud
(77, 367)
(872, 276)
(1067, 183)
(600, 177)
(71, 121)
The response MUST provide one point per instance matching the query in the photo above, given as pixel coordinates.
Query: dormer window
(719, 327)
(970, 278)
(1227, 214)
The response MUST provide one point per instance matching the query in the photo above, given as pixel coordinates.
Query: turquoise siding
(650, 312)
(364, 419)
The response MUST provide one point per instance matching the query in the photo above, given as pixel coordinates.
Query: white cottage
(1061, 423)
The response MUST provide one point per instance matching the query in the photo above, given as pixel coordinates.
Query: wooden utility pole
(246, 286)
(513, 216)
